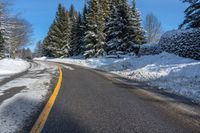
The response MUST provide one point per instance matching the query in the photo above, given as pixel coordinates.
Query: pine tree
(78, 34)
(39, 52)
(83, 29)
(85, 11)
(94, 36)
(72, 12)
(47, 44)
(58, 40)
(129, 33)
(106, 7)
(1, 45)
(114, 32)
(73, 29)
(138, 29)
(122, 32)
(192, 15)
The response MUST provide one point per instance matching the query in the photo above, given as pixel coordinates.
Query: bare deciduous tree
(16, 31)
(153, 28)
(19, 34)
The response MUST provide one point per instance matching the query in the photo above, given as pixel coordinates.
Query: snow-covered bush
(149, 49)
(185, 43)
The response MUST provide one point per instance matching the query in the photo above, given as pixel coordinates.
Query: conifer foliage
(104, 27)
(94, 35)
(139, 31)
(1, 45)
(39, 51)
(192, 15)
(77, 37)
(58, 40)
(124, 30)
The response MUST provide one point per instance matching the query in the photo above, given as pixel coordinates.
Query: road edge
(39, 124)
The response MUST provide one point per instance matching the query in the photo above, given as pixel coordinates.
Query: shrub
(185, 43)
(149, 49)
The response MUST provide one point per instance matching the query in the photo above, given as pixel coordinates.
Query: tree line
(104, 27)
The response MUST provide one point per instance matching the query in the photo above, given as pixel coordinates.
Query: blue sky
(40, 13)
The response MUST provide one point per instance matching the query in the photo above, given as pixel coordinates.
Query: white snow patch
(12, 66)
(40, 58)
(68, 67)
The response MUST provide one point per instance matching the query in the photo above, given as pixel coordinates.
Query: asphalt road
(89, 102)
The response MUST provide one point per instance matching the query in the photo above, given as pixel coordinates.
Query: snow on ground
(169, 72)
(12, 66)
(16, 110)
(41, 58)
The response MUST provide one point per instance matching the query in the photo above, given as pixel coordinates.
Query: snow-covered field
(31, 88)
(9, 67)
(169, 72)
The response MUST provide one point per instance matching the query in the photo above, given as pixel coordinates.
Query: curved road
(89, 102)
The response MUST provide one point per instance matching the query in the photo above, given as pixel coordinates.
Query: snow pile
(184, 43)
(11, 66)
(167, 71)
(40, 58)
(92, 62)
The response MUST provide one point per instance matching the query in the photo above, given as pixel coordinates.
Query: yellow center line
(38, 126)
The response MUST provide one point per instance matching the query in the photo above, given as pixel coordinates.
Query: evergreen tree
(39, 52)
(72, 12)
(106, 7)
(47, 45)
(138, 29)
(78, 34)
(83, 29)
(192, 15)
(106, 26)
(1, 45)
(94, 35)
(85, 11)
(129, 33)
(190, 1)
(73, 29)
(114, 32)
(123, 33)
(57, 42)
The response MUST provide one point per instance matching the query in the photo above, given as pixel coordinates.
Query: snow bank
(167, 71)
(13, 66)
(40, 58)
(10, 67)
